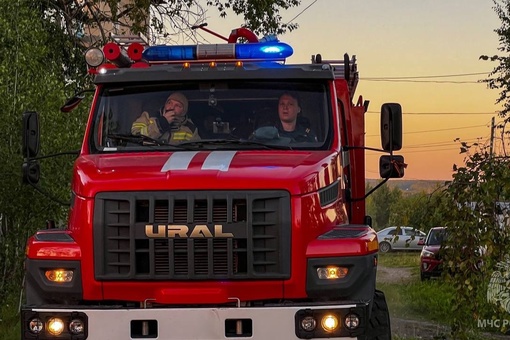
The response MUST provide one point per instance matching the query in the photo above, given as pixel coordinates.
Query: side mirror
(391, 166)
(31, 135)
(391, 127)
(72, 102)
(421, 242)
(31, 172)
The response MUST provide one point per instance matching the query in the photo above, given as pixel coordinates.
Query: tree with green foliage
(478, 224)
(32, 79)
(161, 20)
(380, 204)
(418, 210)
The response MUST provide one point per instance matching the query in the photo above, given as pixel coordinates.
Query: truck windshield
(212, 115)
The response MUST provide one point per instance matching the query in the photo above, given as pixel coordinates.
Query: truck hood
(299, 172)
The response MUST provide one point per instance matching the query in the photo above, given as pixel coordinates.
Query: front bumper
(431, 267)
(279, 322)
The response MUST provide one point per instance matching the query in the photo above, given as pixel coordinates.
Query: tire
(379, 327)
(384, 247)
(424, 277)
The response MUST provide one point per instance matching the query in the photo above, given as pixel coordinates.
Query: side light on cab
(59, 275)
(332, 272)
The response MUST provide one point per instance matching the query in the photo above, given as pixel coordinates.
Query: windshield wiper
(139, 139)
(242, 142)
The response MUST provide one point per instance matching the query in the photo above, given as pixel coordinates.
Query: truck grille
(199, 235)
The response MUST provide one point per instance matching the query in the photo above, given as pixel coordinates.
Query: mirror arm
(47, 194)
(347, 147)
(370, 192)
(74, 152)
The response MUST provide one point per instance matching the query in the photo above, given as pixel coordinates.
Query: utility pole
(493, 127)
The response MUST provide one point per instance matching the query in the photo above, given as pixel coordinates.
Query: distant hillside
(410, 186)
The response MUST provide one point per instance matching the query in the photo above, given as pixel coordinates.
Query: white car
(400, 238)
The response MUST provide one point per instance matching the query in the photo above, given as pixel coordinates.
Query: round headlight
(308, 323)
(35, 325)
(94, 57)
(351, 321)
(77, 326)
(55, 326)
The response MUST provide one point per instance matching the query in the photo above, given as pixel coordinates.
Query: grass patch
(9, 319)
(400, 259)
(428, 300)
(419, 300)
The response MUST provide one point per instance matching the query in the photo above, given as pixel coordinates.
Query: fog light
(332, 272)
(308, 323)
(59, 275)
(329, 323)
(55, 326)
(77, 326)
(351, 321)
(35, 325)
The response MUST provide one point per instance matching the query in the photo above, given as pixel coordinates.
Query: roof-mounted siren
(116, 55)
(135, 45)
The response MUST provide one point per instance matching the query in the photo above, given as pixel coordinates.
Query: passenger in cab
(171, 123)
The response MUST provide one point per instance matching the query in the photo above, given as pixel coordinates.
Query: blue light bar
(265, 50)
(170, 53)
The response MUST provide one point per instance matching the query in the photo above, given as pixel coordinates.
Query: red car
(430, 261)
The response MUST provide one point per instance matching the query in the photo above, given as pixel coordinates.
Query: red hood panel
(296, 171)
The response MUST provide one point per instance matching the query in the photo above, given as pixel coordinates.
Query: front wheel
(384, 247)
(379, 323)
(424, 277)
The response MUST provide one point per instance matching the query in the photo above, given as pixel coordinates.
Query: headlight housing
(427, 253)
(330, 323)
(54, 325)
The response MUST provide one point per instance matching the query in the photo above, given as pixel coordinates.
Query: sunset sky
(406, 38)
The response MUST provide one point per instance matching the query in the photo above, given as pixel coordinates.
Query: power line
(429, 76)
(307, 7)
(449, 129)
(444, 143)
(443, 113)
(422, 81)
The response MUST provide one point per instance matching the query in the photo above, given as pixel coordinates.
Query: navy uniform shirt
(299, 135)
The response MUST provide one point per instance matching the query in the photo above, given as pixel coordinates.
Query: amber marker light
(55, 326)
(329, 323)
(372, 244)
(239, 63)
(332, 272)
(186, 65)
(212, 64)
(59, 275)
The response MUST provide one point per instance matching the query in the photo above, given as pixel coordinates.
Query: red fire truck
(245, 233)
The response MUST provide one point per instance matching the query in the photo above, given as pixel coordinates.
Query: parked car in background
(400, 238)
(430, 259)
